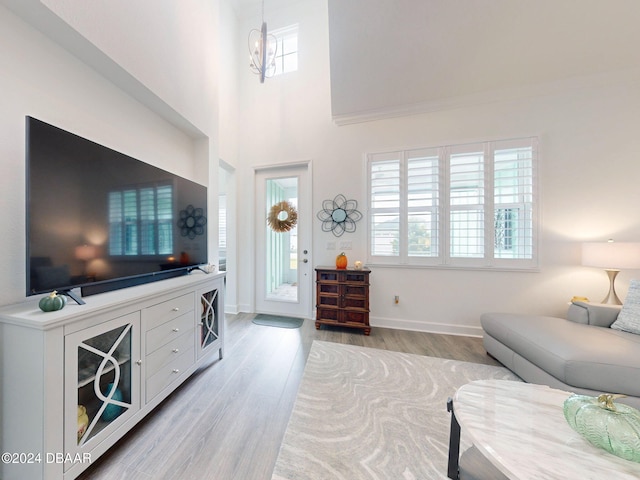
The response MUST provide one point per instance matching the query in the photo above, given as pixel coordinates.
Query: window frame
(281, 35)
(443, 258)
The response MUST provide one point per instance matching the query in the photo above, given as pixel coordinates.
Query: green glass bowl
(612, 426)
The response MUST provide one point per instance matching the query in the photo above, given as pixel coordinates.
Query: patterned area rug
(364, 413)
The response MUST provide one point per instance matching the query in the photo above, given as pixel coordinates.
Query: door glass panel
(281, 239)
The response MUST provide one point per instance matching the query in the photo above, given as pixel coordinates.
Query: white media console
(74, 381)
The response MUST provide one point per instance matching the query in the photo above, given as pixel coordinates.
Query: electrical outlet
(346, 245)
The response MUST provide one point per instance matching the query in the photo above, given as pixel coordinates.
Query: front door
(283, 238)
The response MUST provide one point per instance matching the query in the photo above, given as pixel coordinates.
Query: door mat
(277, 321)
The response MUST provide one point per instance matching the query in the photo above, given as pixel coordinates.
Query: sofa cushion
(579, 355)
(629, 318)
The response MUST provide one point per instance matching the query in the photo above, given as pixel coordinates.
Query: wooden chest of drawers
(342, 298)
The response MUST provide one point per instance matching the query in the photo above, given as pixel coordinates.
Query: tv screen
(101, 220)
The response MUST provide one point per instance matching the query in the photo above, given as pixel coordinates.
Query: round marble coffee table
(521, 430)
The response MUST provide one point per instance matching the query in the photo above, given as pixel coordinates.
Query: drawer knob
(175, 370)
(138, 362)
(175, 350)
(176, 309)
(176, 329)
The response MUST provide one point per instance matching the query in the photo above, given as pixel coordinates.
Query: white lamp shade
(86, 252)
(611, 255)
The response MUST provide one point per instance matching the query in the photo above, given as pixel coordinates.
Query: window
(141, 220)
(458, 205)
(287, 51)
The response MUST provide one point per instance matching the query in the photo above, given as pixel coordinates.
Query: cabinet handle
(176, 329)
(138, 362)
(176, 309)
(175, 350)
(175, 370)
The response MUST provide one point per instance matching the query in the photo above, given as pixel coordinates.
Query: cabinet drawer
(355, 277)
(355, 302)
(342, 316)
(328, 314)
(329, 288)
(355, 290)
(168, 310)
(328, 276)
(169, 373)
(168, 352)
(349, 316)
(328, 301)
(163, 334)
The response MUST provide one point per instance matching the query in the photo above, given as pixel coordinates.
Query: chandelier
(262, 51)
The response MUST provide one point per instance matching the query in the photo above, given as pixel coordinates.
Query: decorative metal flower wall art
(282, 217)
(192, 222)
(339, 215)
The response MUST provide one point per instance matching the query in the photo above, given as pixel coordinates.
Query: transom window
(141, 220)
(467, 205)
(287, 52)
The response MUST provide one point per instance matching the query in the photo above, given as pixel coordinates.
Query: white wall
(588, 179)
(170, 48)
(411, 56)
(228, 107)
(44, 80)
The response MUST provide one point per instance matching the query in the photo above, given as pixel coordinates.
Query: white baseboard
(244, 308)
(396, 324)
(231, 309)
(418, 326)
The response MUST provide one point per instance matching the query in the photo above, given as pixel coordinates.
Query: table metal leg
(453, 471)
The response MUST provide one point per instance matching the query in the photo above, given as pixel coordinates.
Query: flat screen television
(100, 220)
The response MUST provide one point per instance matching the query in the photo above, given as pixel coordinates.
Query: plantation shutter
(466, 201)
(116, 222)
(164, 210)
(422, 203)
(130, 204)
(513, 200)
(384, 175)
(141, 221)
(147, 221)
(470, 205)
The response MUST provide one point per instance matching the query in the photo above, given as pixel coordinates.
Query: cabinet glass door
(209, 319)
(106, 381)
(211, 328)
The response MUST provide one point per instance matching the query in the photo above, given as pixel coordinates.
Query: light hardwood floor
(228, 420)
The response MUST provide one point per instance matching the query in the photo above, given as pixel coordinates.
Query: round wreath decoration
(282, 217)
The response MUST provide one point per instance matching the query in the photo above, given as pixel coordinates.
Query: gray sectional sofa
(580, 354)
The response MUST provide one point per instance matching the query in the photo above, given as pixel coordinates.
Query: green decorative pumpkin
(52, 302)
(613, 427)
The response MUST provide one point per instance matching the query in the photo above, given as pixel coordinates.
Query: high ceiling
(388, 55)
(248, 8)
